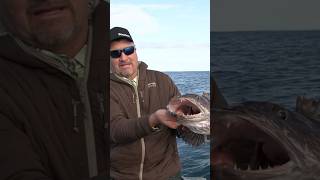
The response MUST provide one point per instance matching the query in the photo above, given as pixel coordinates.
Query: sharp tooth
(234, 166)
(260, 168)
(249, 167)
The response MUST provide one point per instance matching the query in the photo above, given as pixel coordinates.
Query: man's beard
(53, 40)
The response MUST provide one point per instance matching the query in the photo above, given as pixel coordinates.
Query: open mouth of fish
(183, 107)
(192, 112)
(240, 147)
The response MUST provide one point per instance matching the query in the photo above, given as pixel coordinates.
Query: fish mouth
(241, 147)
(183, 107)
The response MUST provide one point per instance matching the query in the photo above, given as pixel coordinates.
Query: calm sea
(266, 66)
(195, 160)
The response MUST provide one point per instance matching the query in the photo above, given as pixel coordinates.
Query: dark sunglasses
(127, 51)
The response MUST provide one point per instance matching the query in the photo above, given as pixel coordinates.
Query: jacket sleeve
(18, 160)
(124, 130)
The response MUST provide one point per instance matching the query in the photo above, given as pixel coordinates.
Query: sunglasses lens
(115, 53)
(129, 50)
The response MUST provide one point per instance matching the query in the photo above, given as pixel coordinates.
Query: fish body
(193, 113)
(264, 141)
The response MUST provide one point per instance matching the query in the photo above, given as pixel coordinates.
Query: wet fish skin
(309, 107)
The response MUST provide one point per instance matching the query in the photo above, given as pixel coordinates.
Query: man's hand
(162, 116)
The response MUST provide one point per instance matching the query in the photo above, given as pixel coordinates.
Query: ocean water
(266, 66)
(195, 160)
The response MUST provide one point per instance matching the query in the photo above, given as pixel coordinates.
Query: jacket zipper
(143, 146)
(88, 119)
(75, 104)
(137, 101)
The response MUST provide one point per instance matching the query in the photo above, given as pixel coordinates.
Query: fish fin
(190, 137)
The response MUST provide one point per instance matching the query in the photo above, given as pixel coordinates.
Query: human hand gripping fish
(162, 116)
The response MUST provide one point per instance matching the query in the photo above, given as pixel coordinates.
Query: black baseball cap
(117, 33)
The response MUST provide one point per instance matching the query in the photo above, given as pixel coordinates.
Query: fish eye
(282, 114)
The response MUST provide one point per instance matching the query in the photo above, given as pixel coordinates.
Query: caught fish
(193, 113)
(264, 141)
(309, 107)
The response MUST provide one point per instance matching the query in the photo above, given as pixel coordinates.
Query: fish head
(262, 140)
(192, 111)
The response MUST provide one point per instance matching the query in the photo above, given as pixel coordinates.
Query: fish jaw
(270, 134)
(249, 154)
(196, 123)
(192, 113)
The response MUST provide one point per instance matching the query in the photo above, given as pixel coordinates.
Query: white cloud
(136, 17)
(133, 17)
(158, 6)
(157, 47)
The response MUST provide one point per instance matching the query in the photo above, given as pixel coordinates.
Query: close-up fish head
(264, 141)
(193, 114)
(192, 111)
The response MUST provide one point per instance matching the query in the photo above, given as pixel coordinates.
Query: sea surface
(266, 66)
(195, 160)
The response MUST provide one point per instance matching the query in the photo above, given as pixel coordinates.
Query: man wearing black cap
(142, 135)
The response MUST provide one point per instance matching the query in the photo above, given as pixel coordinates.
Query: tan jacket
(137, 152)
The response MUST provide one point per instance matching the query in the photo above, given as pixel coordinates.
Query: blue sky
(169, 35)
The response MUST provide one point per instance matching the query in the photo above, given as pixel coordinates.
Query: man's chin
(125, 74)
(49, 38)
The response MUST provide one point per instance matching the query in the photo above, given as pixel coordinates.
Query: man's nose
(123, 57)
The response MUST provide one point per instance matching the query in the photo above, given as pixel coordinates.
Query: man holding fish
(142, 130)
(142, 139)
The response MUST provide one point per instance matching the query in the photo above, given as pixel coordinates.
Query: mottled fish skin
(264, 141)
(193, 113)
(309, 107)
